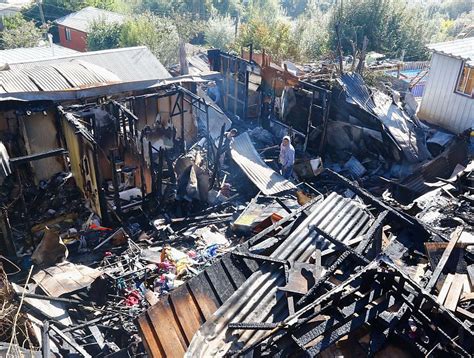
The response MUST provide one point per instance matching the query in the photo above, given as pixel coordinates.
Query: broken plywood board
(266, 179)
(65, 277)
(443, 293)
(454, 292)
(50, 309)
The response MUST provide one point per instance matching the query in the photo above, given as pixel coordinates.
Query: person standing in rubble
(287, 157)
(227, 144)
(214, 93)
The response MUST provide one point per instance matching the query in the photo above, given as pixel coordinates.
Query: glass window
(465, 83)
(68, 34)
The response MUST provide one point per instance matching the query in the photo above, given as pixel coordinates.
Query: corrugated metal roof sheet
(396, 122)
(266, 179)
(34, 53)
(258, 299)
(60, 77)
(47, 78)
(462, 48)
(82, 19)
(130, 63)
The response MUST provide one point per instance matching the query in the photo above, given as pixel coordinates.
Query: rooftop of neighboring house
(129, 63)
(82, 19)
(55, 77)
(462, 49)
(16, 55)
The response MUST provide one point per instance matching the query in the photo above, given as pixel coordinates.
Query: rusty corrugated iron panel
(266, 179)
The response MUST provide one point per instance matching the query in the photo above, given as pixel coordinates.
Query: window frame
(67, 31)
(458, 80)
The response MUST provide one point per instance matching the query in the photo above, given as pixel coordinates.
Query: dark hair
(233, 130)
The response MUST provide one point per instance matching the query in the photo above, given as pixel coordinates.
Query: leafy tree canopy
(157, 33)
(104, 36)
(18, 32)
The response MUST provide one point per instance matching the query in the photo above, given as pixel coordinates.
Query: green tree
(455, 8)
(159, 34)
(266, 10)
(391, 26)
(220, 32)
(54, 9)
(189, 26)
(275, 37)
(311, 35)
(227, 7)
(103, 35)
(18, 32)
(294, 8)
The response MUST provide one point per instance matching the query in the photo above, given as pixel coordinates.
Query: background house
(128, 63)
(11, 7)
(448, 100)
(73, 28)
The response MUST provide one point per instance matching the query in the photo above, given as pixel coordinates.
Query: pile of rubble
(155, 239)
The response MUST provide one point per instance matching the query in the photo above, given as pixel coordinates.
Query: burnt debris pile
(257, 211)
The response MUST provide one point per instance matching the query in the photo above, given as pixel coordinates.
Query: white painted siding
(440, 104)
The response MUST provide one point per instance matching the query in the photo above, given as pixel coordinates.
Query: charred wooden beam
(340, 244)
(374, 231)
(375, 201)
(329, 272)
(348, 327)
(38, 156)
(257, 238)
(253, 325)
(378, 338)
(444, 258)
(345, 314)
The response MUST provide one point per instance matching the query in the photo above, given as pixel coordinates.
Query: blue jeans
(287, 171)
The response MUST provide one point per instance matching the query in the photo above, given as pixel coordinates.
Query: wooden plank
(220, 281)
(470, 272)
(454, 293)
(445, 289)
(466, 288)
(204, 295)
(167, 330)
(187, 312)
(465, 313)
(236, 276)
(149, 337)
(442, 262)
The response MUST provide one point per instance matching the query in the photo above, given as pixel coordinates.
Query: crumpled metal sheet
(5, 169)
(258, 298)
(267, 180)
(441, 166)
(407, 135)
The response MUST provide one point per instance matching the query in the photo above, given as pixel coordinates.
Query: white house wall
(440, 105)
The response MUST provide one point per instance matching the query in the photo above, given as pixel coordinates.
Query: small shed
(448, 100)
(74, 28)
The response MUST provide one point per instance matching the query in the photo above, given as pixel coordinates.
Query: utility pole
(338, 33)
(40, 7)
(237, 20)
